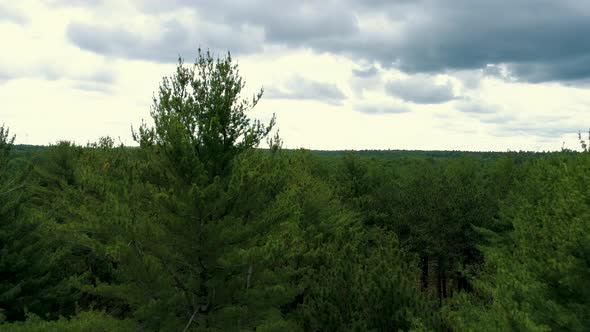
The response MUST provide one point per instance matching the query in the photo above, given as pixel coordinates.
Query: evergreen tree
(43, 253)
(201, 128)
(13, 256)
(201, 119)
(535, 275)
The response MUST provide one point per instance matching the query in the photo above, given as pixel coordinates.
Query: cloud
(75, 3)
(283, 22)
(381, 108)
(433, 37)
(305, 89)
(5, 74)
(497, 119)
(420, 90)
(469, 35)
(117, 41)
(175, 38)
(12, 15)
(478, 107)
(545, 131)
(366, 79)
(568, 69)
(98, 81)
(508, 123)
(99, 76)
(51, 72)
(365, 73)
(486, 113)
(8, 73)
(93, 87)
(418, 36)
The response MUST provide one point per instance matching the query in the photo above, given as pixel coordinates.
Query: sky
(486, 75)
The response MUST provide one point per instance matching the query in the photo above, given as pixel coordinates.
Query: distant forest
(210, 225)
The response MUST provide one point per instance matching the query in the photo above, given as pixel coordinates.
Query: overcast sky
(351, 74)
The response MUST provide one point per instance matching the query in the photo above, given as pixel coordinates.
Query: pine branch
(11, 190)
(191, 320)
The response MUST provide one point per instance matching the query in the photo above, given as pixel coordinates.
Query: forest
(208, 224)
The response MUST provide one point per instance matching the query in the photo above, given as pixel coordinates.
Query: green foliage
(45, 252)
(535, 276)
(6, 142)
(11, 231)
(215, 236)
(197, 248)
(200, 118)
(367, 285)
(83, 322)
(432, 205)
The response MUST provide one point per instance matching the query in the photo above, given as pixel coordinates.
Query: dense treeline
(198, 230)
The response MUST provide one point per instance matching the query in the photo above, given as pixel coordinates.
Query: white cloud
(421, 90)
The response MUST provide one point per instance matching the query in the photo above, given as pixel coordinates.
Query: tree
(199, 116)
(9, 230)
(197, 221)
(6, 142)
(583, 142)
(366, 284)
(44, 238)
(535, 275)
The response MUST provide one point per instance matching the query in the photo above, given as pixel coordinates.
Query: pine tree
(202, 241)
(12, 261)
(535, 275)
(200, 117)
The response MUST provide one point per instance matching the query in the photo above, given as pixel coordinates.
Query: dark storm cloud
(294, 24)
(225, 25)
(420, 90)
(575, 68)
(12, 15)
(470, 35)
(284, 22)
(536, 40)
(304, 89)
(494, 71)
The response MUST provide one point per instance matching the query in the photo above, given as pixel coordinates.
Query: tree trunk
(439, 283)
(444, 283)
(425, 273)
